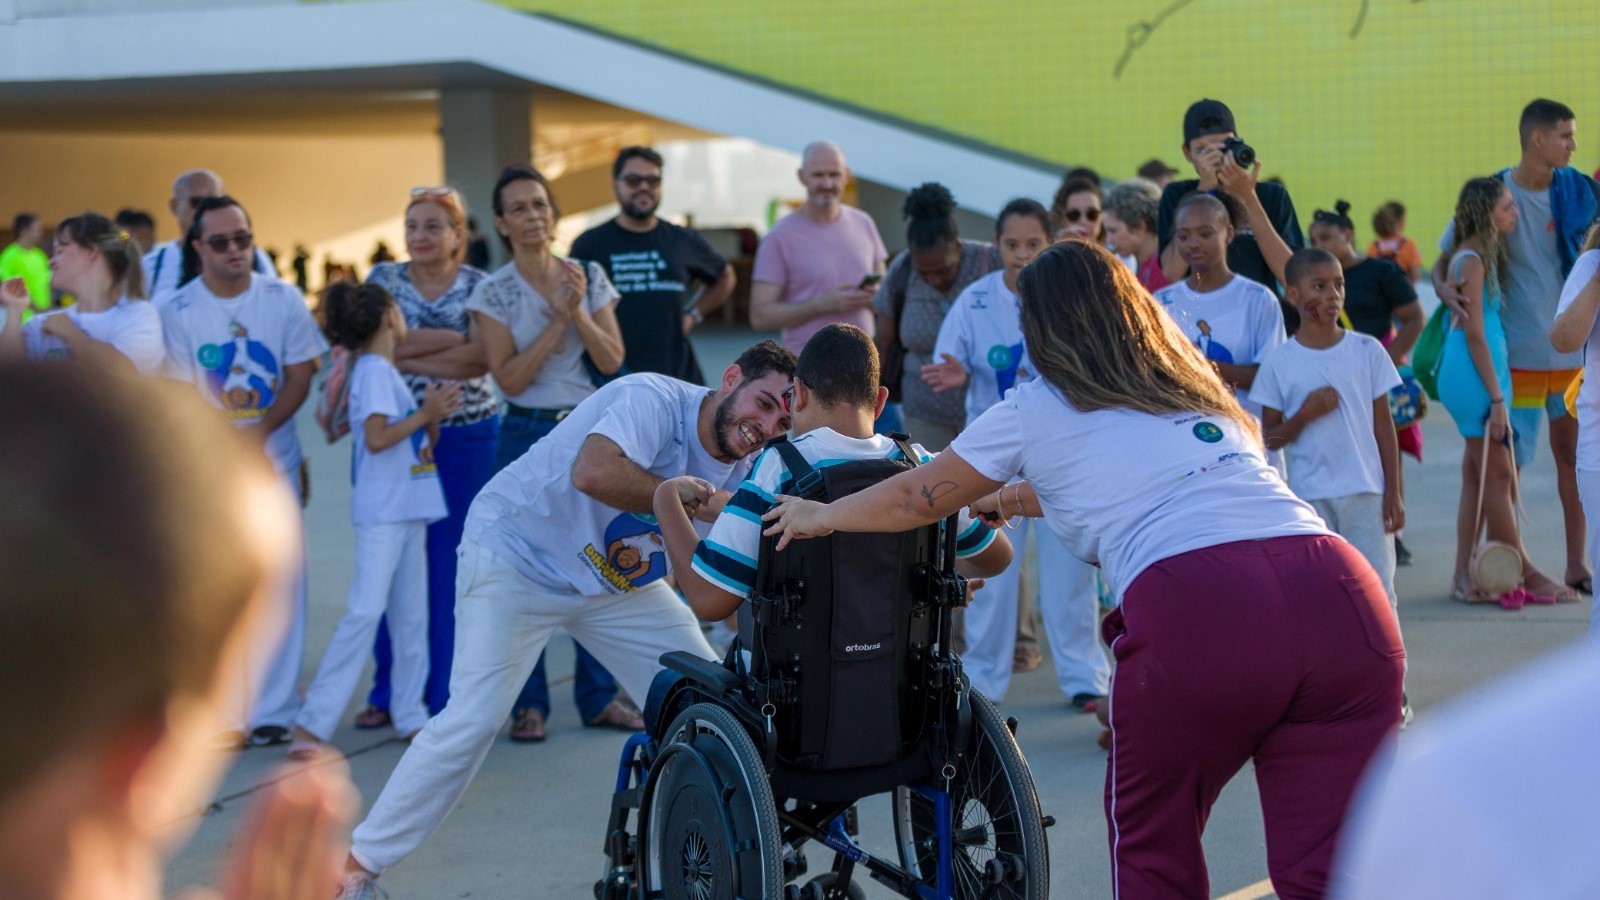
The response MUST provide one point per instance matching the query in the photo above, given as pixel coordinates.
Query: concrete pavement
(532, 822)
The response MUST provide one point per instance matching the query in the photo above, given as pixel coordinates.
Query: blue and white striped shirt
(727, 556)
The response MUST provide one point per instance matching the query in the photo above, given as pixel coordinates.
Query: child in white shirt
(396, 494)
(1325, 396)
(980, 343)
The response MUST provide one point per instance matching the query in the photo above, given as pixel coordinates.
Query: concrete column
(483, 131)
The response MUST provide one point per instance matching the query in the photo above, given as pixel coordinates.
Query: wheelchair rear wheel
(710, 829)
(998, 831)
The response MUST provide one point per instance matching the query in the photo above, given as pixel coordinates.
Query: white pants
(503, 621)
(1358, 518)
(278, 699)
(1068, 605)
(265, 690)
(391, 577)
(1589, 493)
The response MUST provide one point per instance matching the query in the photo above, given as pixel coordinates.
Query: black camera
(1243, 153)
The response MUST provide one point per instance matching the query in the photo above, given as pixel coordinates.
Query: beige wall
(336, 194)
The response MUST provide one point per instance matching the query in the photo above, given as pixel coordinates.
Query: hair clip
(122, 236)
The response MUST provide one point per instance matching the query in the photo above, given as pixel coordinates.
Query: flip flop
(1517, 598)
(1584, 585)
(618, 714)
(528, 727)
(373, 717)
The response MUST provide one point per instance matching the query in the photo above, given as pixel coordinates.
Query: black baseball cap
(1207, 117)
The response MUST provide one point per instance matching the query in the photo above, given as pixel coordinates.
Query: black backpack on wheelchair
(851, 690)
(845, 629)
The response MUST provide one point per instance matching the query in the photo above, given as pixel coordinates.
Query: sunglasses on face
(219, 242)
(788, 398)
(634, 181)
(419, 192)
(1072, 215)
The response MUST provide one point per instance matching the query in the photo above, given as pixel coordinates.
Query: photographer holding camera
(1266, 229)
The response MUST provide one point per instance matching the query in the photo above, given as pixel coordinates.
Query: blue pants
(593, 688)
(465, 457)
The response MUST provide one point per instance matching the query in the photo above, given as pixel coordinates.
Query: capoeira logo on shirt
(422, 449)
(1213, 350)
(242, 373)
(633, 556)
(1005, 360)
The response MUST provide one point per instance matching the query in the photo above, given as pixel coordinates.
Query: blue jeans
(593, 688)
(465, 457)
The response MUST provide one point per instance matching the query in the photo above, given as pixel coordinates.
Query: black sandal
(373, 717)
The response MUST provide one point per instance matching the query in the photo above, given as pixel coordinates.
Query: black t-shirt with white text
(654, 272)
(1373, 290)
(1244, 254)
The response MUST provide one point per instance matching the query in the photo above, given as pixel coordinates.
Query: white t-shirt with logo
(509, 299)
(533, 518)
(728, 555)
(235, 351)
(1582, 274)
(983, 331)
(163, 266)
(400, 483)
(1127, 489)
(1336, 455)
(132, 328)
(1237, 323)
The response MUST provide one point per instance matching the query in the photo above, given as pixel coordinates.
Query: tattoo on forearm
(932, 494)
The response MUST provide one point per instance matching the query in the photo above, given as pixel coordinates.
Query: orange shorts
(1539, 390)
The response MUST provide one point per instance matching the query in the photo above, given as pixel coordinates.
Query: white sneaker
(360, 886)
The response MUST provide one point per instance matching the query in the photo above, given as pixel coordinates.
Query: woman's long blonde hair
(1100, 338)
(1475, 219)
(1593, 241)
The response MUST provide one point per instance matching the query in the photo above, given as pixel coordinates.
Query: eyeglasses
(219, 242)
(788, 398)
(634, 181)
(1072, 215)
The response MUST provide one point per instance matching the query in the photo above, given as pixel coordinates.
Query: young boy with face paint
(1324, 396)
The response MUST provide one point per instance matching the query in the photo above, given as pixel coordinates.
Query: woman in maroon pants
(1245, 630)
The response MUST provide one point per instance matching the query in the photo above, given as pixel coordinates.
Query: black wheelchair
(850, 689)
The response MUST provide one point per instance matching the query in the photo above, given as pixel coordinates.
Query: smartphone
(870, 281)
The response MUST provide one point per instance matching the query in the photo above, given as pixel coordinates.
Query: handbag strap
(1483, 477)
(899, 285)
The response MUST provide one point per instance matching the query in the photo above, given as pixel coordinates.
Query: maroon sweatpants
(1283, 651)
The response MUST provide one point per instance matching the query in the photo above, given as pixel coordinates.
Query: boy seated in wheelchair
(833, 402)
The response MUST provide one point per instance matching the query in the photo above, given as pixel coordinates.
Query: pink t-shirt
(808, 258)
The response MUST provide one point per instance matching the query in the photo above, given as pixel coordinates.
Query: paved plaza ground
(532, 822)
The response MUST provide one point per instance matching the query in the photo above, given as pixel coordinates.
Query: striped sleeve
(727, 556)
(974, 536)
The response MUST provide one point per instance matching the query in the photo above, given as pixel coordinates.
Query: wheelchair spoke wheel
(997, 833)
(709, 828)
